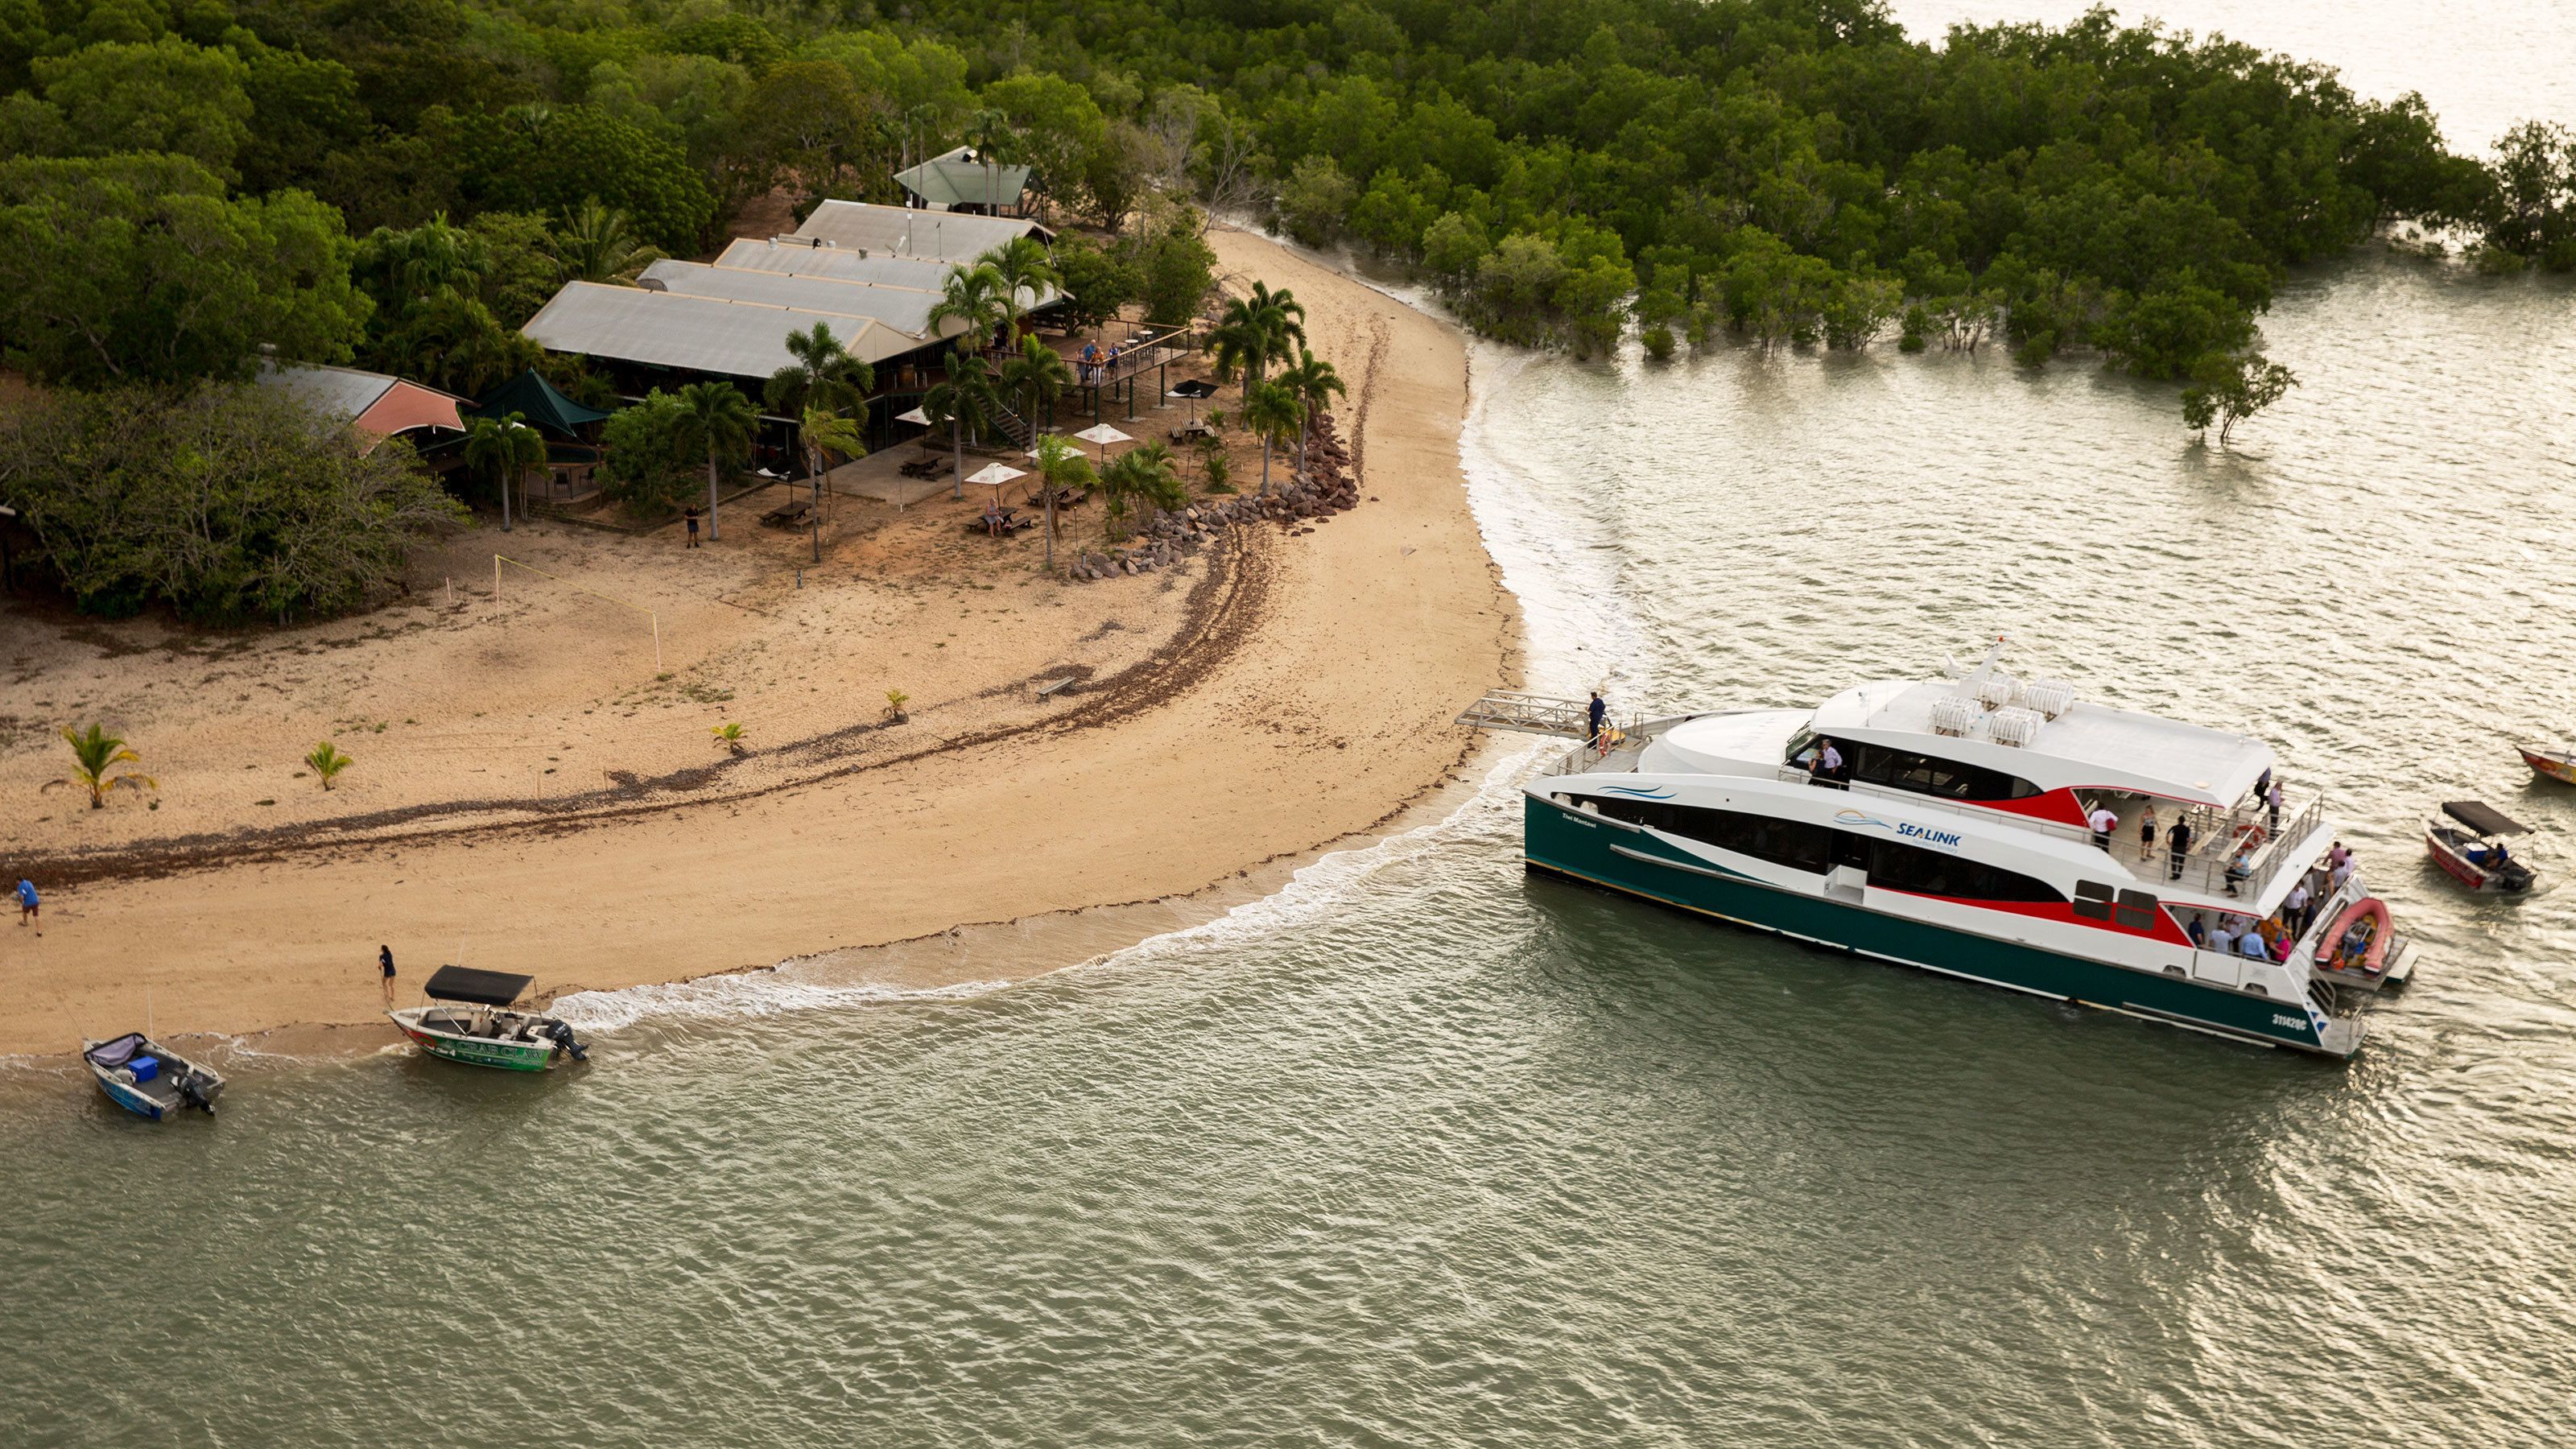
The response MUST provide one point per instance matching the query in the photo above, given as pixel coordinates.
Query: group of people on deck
(2276, 936)
(1096, 364)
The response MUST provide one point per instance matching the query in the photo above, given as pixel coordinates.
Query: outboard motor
(192, 1092)
(561, 1036)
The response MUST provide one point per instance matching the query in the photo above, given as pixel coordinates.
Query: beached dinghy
(470, 1020)
(148, 1079)
(2559, 764)
(2473, 852)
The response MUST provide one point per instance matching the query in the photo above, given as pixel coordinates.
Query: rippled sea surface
(1425, 1151)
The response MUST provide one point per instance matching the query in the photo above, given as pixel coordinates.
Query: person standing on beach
(385, 972)
(691, 514)
(27, 906)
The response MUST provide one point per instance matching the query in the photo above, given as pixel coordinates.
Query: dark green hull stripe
(1636, 862)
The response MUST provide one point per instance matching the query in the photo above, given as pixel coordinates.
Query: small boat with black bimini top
(472, 1020)
(148, 1079)
(2558, 764)
(2472, 849)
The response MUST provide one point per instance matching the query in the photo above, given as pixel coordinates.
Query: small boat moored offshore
(2559, 764)
(472, 1021)
(1984, 827)
(148, 1079)
(2472, 850)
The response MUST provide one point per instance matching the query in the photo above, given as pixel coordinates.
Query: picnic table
(790, 514)
(1191, 432)
(930, 467)
(999, 522)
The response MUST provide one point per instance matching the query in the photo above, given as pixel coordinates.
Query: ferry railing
(2215, 839)
(2058, 828)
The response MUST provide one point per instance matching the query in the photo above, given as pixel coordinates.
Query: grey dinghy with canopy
(2471, 847)
(148, 1079)
(473, 1020)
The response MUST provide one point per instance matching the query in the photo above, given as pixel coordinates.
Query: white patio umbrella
(915, 416)
(1104, 435)
(997, 474)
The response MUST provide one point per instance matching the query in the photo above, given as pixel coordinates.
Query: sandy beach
(531, 789)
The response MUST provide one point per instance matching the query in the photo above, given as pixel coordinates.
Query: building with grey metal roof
(904, 309)
(907, 232)
(805, 259)
(713, 336)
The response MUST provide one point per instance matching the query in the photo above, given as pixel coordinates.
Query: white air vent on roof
(2051, 697)
(2014, 725)
(1954, 715)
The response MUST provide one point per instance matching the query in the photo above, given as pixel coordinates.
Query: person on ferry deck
(1829, 762)
(2251, 947)
(1599, 714)
(2223, 939)
(2198, 931)
(2294, 908)
(2178, 846)
(2103, 822)
(2272, 802)
(2147, 832)
(2240, 868)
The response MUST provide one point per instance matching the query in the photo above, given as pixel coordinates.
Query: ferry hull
(1567, 843)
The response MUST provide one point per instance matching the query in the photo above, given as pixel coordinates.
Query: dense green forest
(401, 182)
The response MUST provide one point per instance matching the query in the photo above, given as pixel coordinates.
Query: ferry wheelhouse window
(2133, 910)
(1926, 775)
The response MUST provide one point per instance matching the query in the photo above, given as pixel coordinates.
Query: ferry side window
(2092, 900)
(2136, 911)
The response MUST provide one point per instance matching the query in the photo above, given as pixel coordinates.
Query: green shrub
(223, 501)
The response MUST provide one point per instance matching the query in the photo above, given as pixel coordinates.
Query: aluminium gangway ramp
(1530, 714)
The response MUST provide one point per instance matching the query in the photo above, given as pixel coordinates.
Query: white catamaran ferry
(1949, 825)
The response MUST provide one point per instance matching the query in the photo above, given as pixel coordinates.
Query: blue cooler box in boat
(145, 1068)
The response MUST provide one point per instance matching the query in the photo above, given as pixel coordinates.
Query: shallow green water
(1425, 1151)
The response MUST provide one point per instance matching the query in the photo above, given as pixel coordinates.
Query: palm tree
(598, 244)
(989, 131)
(1314, 382)
(963, 400)
(972, 295)
(504, 449)
(1273, 412)
(1034, 377)
(1253, 330)
(1062, 465)
(717, 417)
(826, 432)
(823, 379)
(1144, 473)
(95, 756)
(1024, 266)
(824, 375)
(327, 761)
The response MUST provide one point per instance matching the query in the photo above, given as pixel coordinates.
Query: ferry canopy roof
(482, 988)
(2090, 746)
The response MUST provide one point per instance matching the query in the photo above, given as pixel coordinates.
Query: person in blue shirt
(27, 906)
(1599, 714)
(2250, 946)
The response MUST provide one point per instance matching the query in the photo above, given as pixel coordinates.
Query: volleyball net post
(650, 617)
